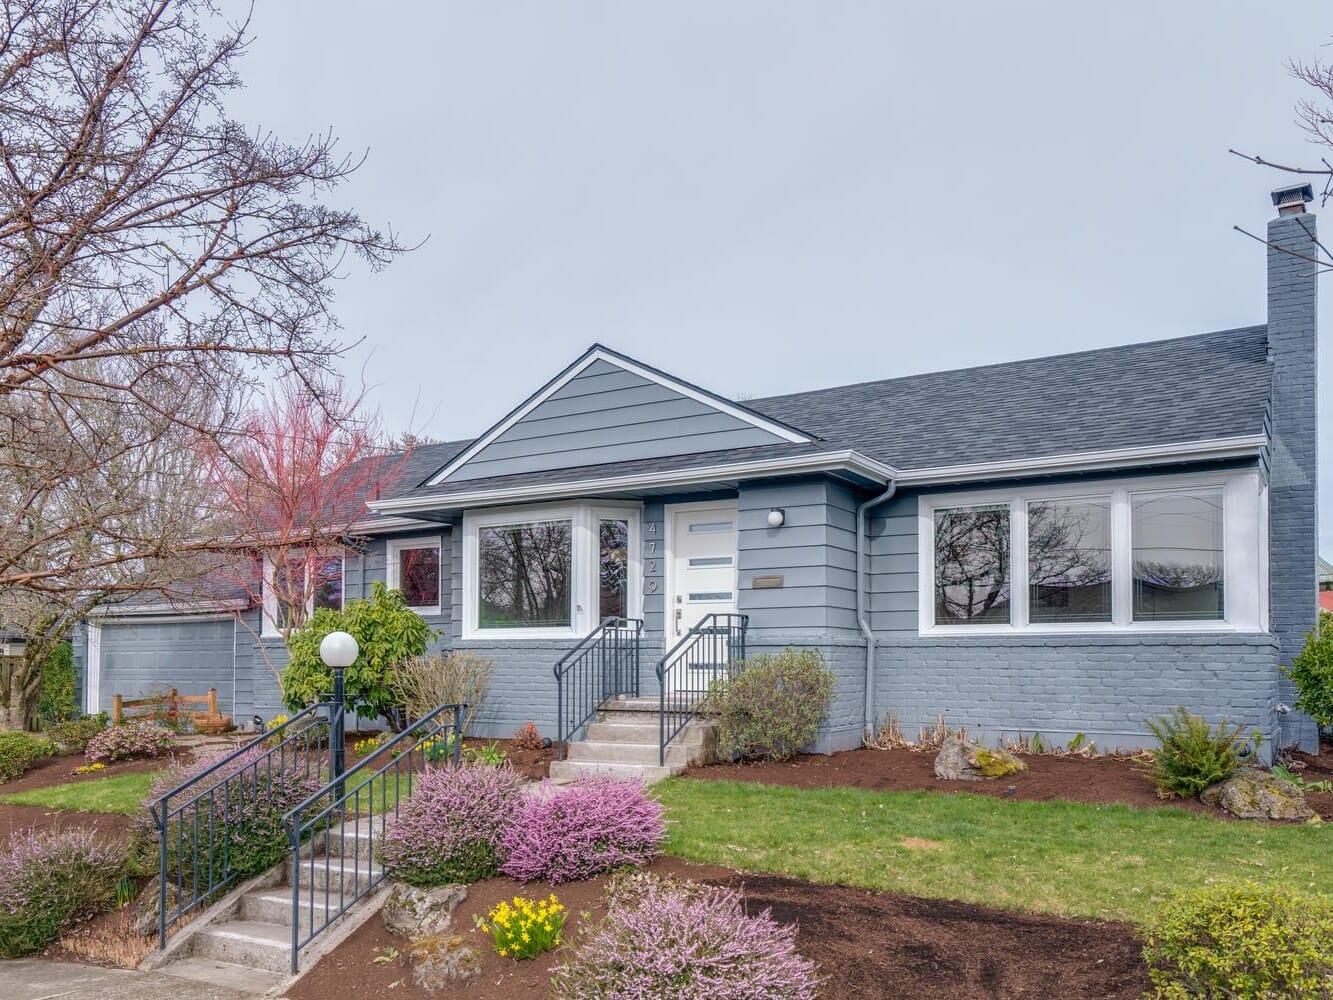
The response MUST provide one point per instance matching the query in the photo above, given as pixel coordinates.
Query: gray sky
(766, 197)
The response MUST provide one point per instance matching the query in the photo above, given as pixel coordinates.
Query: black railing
(197, 820)
(356, 807)
(603, 665)
(703, 655)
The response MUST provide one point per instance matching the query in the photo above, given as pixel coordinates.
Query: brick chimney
(1293, 346)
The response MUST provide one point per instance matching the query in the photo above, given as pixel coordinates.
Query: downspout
(862, 616)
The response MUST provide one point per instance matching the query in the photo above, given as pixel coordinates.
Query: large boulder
(439, 960)
(964, 760)
(414, 912)
(145, 907)
(1254, 794)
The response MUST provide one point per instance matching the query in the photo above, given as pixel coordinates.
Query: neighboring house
(1325, 584)
(1061, 545)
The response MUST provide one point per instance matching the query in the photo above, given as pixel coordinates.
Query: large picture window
(549, 572)
(1166, 553)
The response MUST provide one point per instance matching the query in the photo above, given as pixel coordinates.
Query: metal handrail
(293, 737)
(705, 653)
(594, 670)
(344, 799)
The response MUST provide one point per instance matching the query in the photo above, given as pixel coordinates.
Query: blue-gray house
(1060, 545)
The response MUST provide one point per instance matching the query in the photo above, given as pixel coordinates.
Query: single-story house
(1061, 545)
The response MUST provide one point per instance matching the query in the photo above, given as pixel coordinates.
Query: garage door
(191, 656)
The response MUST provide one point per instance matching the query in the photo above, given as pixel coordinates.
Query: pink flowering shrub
(450, 830)
(592, 826)
(48, 881)
(663, 939)
(133, 741)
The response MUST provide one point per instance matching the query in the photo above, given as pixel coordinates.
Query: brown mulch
(1097, 780)
(1317, 767)
(531, 764)
(868, 945)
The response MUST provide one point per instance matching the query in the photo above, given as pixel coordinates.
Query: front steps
(624, 741)
(249, 947)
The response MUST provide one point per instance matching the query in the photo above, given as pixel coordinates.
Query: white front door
(702, 554)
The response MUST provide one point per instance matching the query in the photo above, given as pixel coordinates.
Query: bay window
(549, 572)
(1154, 554)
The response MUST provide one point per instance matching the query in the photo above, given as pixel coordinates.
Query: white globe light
(776, 517)
(339, 649)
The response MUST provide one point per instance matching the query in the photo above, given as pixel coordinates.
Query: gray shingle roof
(1213, 385)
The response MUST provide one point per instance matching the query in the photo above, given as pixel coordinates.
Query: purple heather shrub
(133, 741)
(663, 939)
(451, 829)
(49, 880)
(594, 825)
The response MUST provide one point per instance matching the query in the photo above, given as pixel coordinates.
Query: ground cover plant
(19, 751)
(121, 793)
(1065, 858)
(451, 829)
(595, 825)
(677, 940)
(773, 705)
(1191, 755)
(133, 741)
(48, 881)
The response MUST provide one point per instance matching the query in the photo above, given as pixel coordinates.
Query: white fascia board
(837, 461)
(380, 525)
(166, 611)
(573, 371)
(1088, 461)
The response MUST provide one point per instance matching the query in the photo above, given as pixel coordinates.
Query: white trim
(92, 671)
(1244, 555)
(576, 369)
(268, 603)
(168, 610)
(392, 549)
(178, 617)
(669, 511)
(1087, 461)
(584, 590)
(829, 461)
(380, 525)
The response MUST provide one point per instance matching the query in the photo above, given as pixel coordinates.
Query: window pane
(328, 589)
(613, 569)
(525, 575)
(419, 576)
(1177, 556)
(1069, 560)
(971, 565)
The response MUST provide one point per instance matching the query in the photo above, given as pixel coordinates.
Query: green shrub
(72, 737)
(386, 630)
(19, 751)
(773, 705)
(1312, 672)
(50, 880)
(56, 701)
(1192, 755)
(1261, 942)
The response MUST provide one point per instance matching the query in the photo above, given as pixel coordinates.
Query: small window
(1069, 560)
(613, 568)
(972, 565)
(415, 571)
(1177, 552)
(328, 582)
(293, 590)
(524, 578)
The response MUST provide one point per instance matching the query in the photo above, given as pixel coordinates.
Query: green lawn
(123, 793)
(1065, 858)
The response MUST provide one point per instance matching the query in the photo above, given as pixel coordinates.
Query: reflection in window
(327, 589)
(972, 565)
(613, 568)
(419, 576)
(1069, 560)
(524, 572)
(1177, 543)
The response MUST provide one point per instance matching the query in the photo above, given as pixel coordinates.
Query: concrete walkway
(38, 979)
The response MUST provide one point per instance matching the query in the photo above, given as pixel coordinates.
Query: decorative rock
(1254, 794)
(441, 959)
(146, 905)
(413, 912)
(959, 760)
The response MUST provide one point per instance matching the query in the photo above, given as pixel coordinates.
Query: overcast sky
(767, 197)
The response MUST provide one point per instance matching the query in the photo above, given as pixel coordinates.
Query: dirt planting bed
(868, 945)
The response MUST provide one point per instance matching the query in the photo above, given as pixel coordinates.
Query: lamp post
(339, 651)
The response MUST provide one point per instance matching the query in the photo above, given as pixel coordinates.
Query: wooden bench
(169, 706)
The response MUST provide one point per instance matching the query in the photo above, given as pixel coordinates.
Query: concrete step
(251, 943)
(353, 839)
(274, 906)
(596, 752)
(241, 978)
(694, 734)
(344, 875)
(563, 771)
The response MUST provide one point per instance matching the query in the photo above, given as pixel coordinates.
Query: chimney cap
(1293, 198)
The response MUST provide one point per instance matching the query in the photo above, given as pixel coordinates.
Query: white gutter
(167, 610)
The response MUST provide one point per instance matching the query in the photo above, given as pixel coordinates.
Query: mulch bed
(1097, 780)
(531, 764)
(868, 945)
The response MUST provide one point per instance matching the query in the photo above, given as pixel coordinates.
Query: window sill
(1090, 628)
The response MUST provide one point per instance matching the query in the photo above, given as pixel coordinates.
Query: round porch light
(776, 517)
(339, 650)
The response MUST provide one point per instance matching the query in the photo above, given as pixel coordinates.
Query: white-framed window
(1160, 553)
(549, 572)
(286, 580)
(414, 567)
